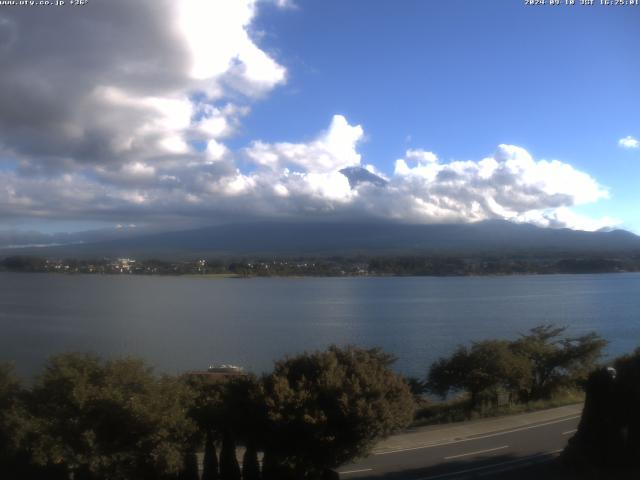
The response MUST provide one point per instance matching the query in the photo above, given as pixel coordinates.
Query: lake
(184, 323)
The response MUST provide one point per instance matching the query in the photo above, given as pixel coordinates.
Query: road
(469, 450)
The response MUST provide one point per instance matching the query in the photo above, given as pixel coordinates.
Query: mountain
(288, 238)
(19, 239)
(358, 175)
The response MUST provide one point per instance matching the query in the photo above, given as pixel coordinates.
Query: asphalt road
(477, 456)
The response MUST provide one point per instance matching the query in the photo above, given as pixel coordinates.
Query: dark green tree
(557, 361)
(329, 407)
(245, 410)
(271, 466)
(418, 387)
(9, 417)
(484, 370)
(111, 419)
(231, 409)
(229, 467)
(250, 465)
(210, 462)
(14, 427)
(208, 406)
(190, 466)
(532, 367)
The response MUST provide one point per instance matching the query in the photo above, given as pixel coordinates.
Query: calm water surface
(182, 323)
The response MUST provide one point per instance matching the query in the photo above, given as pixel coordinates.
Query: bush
(533, 367)
(111, 419)
(329, 407)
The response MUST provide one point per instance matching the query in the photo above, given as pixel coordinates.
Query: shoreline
(223, 276)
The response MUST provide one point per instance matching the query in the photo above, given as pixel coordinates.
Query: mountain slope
(282, 238)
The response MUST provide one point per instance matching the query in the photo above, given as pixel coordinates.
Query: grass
(457, 410)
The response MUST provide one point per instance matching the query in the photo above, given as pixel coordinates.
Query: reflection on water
(180, 323)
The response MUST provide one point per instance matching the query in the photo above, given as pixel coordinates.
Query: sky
(159, 114)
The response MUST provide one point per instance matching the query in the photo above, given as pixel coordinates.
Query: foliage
(23, 264)
(210, 461)
(329, 407)
(530, 368)
(557, 361)
(190, 467)
(485, 369)
(14, 425)
(208, 403)
(9, 415)
(245, 410)
(111, 419)
(232, 409)
(273, 467)
(115, 419)
(229, 467)
(458, 409)
(250, 464)
(417, 386)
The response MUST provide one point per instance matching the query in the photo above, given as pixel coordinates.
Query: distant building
(124, 265)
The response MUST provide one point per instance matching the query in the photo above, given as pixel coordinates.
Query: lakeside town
(336, 266)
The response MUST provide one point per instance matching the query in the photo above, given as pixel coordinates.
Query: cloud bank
(126, 114)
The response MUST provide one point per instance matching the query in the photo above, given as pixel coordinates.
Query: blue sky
(461, 77)
(181, 114)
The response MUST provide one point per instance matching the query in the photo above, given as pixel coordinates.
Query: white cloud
(425, 164)
(302, 179)
(138, 131)
(286, 3)
(629, 142)
(333, 150)
(223, 24)
(216, 151)
(326, 186)
(148, 82)
(564, 217)
(509, 185)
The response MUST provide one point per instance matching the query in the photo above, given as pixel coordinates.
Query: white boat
(225, 369)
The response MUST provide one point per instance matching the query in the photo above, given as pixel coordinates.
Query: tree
(17, 430)
(13, 423)
(9, 403)
(229, 467)
(190, 467)
(532, 367)
(272, 466)
(250, 465)
(329, 407)
(245, 410)
(210, 461)
(418, 387)
(111, 419)
(556, 361)
(484, 370)
(233, 410)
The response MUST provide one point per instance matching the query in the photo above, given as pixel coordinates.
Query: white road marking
(451, 442)
(476, 452)
(569, 432)
(355, 471)
(494, 465)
